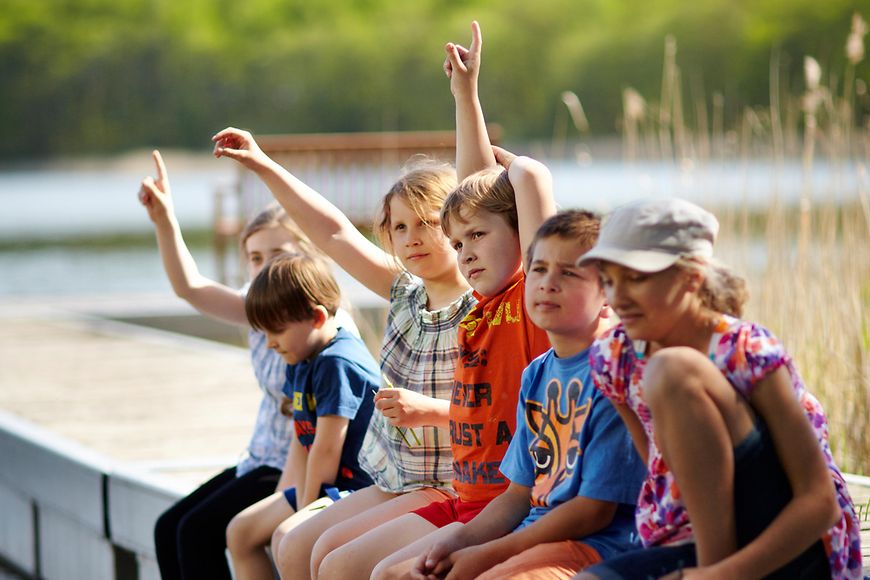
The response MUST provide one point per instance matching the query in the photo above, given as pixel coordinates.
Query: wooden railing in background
(352, 170)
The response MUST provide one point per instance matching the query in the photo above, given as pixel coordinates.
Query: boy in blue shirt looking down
(574, 474)
(331, 378)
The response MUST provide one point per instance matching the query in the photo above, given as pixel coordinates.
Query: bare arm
(321, 221)
(294, 466)
(323, 457)
(498, 518)
(462, 66)
(405, 408)
(813, 508)
(204, 294)
(533, 188)
(635, 429)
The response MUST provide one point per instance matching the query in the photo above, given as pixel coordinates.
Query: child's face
(562, 298)
(265, 244)
(295, 343)
(488, 250)
(420, 244)
(649, 305)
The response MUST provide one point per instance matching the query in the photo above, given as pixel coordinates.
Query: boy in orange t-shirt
(490, 219)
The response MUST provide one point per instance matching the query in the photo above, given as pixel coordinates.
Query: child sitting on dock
(741, 480)
(190, 537)
(407, 447)
(490, 219)
(331, 378)
(574, 474)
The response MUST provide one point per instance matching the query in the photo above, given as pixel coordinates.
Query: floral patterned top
(745, 353)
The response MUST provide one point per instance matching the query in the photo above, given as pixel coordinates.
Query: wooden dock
(170, 403)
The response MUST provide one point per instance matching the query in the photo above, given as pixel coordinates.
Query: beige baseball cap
(650, 235)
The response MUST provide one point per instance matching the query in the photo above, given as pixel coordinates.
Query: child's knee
(238, 535)
(326, 543)
(385, 570)
(672, 374)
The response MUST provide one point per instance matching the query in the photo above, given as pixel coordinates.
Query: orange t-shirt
(497, 341)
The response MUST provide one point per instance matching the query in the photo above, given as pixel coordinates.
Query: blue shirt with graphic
(339, 380)
(570, 442)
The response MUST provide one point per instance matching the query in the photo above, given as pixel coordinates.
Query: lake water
(97, 199)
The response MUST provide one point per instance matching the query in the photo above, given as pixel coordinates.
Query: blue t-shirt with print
(570, 442)
(339, 380)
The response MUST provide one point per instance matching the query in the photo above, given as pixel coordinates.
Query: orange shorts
(441, 513)
(556, 560)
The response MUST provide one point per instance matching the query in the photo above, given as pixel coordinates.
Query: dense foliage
(82, 76)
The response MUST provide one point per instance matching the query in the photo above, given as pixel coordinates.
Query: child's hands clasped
(462, 65)
(402, 407)
(438, 561)
(155, 194)
(239, 145)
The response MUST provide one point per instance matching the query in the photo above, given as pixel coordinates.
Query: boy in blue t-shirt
(574, 474)
(331, 377)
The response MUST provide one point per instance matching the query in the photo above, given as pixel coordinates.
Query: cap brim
(640, 260)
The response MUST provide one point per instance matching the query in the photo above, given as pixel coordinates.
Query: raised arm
(462, 66)
(533, 188)
(207, 296)
(321, 221)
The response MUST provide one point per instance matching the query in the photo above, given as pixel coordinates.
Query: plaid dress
(419, 353)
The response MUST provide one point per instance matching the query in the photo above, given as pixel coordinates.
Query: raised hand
(154, 193)
(503, 157)
(462, 65)
(239, 145)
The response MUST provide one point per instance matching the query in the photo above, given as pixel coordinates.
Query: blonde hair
(424, 185)
(722, 290)
(489, 190)
(288, 289)
(274, 216)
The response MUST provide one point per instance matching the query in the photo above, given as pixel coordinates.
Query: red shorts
(441, 513)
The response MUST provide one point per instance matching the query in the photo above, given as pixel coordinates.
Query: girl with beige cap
(741, 480)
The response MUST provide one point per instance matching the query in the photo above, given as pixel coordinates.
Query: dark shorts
(761, 491)
(332, 493)
(441, 513)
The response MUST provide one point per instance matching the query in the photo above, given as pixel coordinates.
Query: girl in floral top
(741, 480)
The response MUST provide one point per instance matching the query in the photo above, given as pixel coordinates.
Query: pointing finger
(476, 39)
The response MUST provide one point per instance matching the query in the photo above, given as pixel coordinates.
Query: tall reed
(808, 266)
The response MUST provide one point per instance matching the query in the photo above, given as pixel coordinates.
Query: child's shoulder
(346, 346)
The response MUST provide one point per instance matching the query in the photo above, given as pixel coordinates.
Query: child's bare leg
(358, 558)
(350, 529)
(304, 514)
(249, 532)
(399, 563)
(300, 532)
(698, 419)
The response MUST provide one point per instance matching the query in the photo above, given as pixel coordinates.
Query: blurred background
(759, 110)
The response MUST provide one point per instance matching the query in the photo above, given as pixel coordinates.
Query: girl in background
(190, 537)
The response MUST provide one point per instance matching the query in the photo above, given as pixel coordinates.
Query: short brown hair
(424, 185)
(577, 225)
(490, 190)
(288, 289)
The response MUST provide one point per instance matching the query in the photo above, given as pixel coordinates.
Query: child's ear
(694, 280)
(320, 316)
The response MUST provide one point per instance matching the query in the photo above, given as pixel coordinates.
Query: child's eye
(476, 235)
(539, 269)
(256, 259)
(637, 277)
(570, 273)
(399, 227)
(457, 246)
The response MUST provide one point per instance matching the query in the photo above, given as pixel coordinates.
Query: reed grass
(808, 267)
